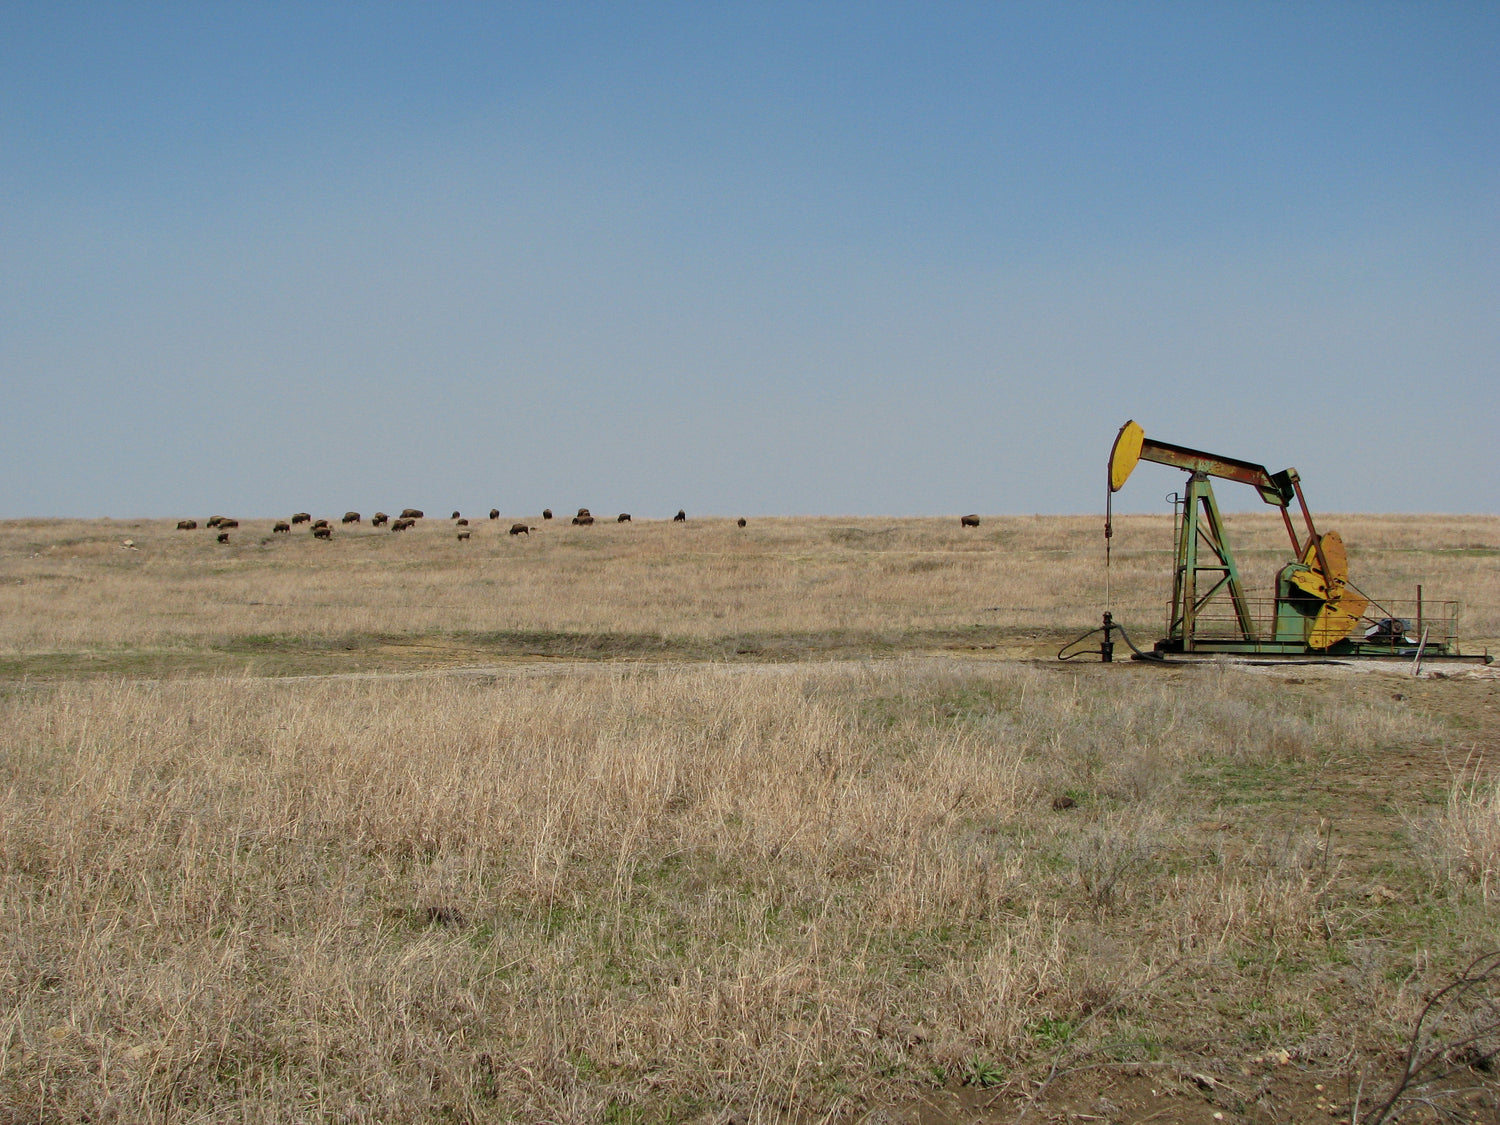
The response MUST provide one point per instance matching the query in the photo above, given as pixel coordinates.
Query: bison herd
(323, 529)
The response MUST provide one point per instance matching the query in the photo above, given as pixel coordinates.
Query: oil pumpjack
(1316, 609)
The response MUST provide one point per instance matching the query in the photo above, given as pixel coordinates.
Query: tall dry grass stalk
(630, 894)
(1463, 843)
(69, 585)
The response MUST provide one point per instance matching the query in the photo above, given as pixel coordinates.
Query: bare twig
(1430, 1058)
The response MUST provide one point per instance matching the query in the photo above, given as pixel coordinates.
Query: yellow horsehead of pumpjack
(1321, 572)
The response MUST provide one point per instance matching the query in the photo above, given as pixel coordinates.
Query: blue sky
(743, 258)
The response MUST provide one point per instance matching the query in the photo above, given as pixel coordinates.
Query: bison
(583, 521)
(350, 517)
(740, 522)
(214, 521)
(680, 517)
(281, 525)
(968, 521)
(462, 535)
(225, 524)
(462, 523)
(494, 513)
(546, 513)
(519, 529)
(323, 532)
(301, 517)
(454, 516)
(319, 523)
(411, 513)
(584, 512)
(623, 517)
(379, 519)
(187, 525)
(223, 537)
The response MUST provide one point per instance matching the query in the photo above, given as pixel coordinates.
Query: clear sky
(743, 258)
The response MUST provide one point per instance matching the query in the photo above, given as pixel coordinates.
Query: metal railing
(1398, 626)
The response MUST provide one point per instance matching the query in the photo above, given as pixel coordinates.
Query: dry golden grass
(68, 586)
(641, 894)
(1463, 843)
(634, 892)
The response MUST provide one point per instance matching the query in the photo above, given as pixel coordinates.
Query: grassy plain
(657, 822)
(72, 598)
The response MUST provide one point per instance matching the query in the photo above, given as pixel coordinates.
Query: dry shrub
(1110, 856)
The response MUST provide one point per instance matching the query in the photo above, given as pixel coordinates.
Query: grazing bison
(462, 535)
(584, 512)
(454, 516)
(187, 525)
(494, 513)
(740, 522)
(411, 513)
(462, 523)
(223, 537)
(323, 532)
(519, 529)
(680, 517)
(546, 513)
(319, 523)
(225, 524)
(623, 517)
(351, 517)
(379, 519)
(402, 524)
(583, 521)
(214, 521)
(301, 517)
(968, 521)
(281, 525)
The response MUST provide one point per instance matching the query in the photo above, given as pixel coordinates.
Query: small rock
(1279, 1057)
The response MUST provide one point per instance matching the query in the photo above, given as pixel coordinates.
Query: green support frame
(1203, 548)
